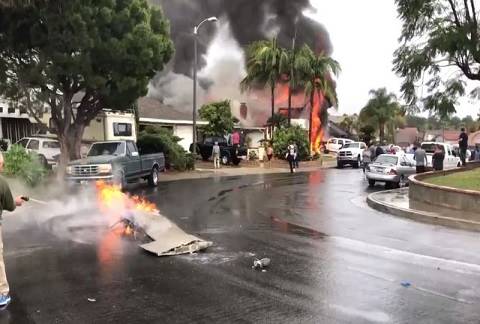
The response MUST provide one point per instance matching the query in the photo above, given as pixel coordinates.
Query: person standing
(269, 154)
(379, 151)
(463, 145)
(476, 153)
(6, 203)
(366, 158)
(291, 156)
(437, 158)
(420, 157)
(296, 155)
(216, 155)
(372, 150)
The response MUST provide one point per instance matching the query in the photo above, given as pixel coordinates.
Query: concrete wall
(458, 199)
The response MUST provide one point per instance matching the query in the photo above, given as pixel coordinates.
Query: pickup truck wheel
(205, 157)
(225, 159)
(339, 165)
(371, 183)
(119, 180)
(153, 177)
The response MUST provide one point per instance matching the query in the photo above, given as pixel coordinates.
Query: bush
(158, 139)
(295, 134)
(189, 161)
(23, 165)
(252, 156)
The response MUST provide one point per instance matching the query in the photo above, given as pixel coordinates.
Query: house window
(122, 129)
(11, 110)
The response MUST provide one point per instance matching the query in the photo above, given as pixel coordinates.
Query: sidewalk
(206, 170)
(397, 203)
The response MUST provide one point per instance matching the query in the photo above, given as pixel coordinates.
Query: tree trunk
(273, 100)
(71, 143)
(310, 124)
(289, 105)
(381, 132)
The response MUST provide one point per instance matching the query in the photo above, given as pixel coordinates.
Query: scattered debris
(260, 264)
(92, 300)
(405, 284)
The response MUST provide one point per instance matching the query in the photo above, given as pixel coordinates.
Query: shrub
(295, 134)
(23, 165)
(158, 139)
(252, 156)
(189, 161)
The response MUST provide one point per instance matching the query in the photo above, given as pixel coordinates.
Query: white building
(153, 112)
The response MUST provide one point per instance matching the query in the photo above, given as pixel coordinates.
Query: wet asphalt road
(334, 260)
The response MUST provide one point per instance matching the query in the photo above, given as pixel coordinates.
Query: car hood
(100, 159)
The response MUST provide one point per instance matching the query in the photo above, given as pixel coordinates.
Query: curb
(421, 216)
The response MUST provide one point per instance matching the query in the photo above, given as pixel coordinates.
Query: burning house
(222, 61)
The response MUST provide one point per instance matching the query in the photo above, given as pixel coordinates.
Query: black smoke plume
(250, 20)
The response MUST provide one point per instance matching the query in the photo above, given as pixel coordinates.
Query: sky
(365, 35)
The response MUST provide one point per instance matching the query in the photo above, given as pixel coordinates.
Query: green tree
(349, 123)
(293, 134)
(266, 62)
(381, 110)
(80, 56)
(219, 117)
(277, 121)
(438, 34)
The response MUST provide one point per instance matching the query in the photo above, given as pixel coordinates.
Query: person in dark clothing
(463, 144)
(291, 156)
(437, 158)
(379, 151)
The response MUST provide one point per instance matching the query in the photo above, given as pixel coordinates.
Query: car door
(450, 160)
(133, 165)
(23, 142)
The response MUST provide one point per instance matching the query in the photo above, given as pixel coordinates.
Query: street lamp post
(194, 119)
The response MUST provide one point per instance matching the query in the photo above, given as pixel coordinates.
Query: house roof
(450, 135)
(152, 108)
(407, 135)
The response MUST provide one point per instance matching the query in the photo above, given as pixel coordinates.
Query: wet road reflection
(333, 260)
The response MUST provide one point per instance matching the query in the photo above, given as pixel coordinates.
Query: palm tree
(266, 62)
(315, 72)
(381, 110)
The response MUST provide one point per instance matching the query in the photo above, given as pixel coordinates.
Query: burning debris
(133, 216)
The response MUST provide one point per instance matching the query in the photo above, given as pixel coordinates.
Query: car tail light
(392, 172)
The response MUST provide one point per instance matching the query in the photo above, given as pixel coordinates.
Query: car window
(33, 144)
(340, 142)
(387, 159)
(363, 146)
(23, 142)
(333, 141)
(351, 145)
(429, 147)
(51, 145)
(107, 148)
(122, 129)
(131, 148)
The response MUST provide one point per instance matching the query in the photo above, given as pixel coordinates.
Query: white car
(335, 144)
(451, 161)
(392, 169)
(351, 154)
(46, 148)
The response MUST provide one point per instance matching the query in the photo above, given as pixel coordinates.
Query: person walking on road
(6, 203)
(291, 156)
(437, 158)
(420, 157)
(379, 151)
(366, 158)
(269, 154)
(216, 155)
(463, 144)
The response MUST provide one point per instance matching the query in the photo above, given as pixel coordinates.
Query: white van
(335, 144)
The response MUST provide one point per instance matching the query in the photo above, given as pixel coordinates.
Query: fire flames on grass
(118, 207)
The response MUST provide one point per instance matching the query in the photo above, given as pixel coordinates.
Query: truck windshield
(111, 148)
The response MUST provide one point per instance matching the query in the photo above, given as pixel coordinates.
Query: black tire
(395, 185)
(225, 159)
(236, 161)
(119, 180)
(43, 161)
(371, 183)
(339, 165)
(325, 151)
(153, 177)
(205, 157)
(355, 165)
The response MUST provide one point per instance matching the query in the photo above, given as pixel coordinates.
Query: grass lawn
(462, 180)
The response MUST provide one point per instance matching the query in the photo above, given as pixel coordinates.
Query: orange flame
(317, 131)
(115, 204)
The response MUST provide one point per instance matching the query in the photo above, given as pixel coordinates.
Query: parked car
(335, 144)
(392, 169)
(228, 153)
(351, 154)
(46, 148)
(118, 162)
(452, 160)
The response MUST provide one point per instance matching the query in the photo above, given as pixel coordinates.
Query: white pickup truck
(451, 160)
(351, 153)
